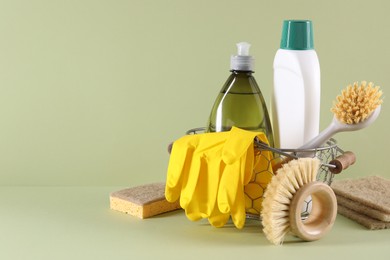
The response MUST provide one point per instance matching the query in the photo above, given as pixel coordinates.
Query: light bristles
(279, 194)
(356, 102)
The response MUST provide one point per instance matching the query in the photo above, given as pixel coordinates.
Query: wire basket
(326, 153)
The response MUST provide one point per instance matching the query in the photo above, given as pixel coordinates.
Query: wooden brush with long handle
(357, 107)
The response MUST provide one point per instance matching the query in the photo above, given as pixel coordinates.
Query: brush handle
(342, 162)
(336, 126)
(322, 215)
(322, 137)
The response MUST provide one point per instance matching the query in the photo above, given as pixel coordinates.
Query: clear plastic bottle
(240, 102)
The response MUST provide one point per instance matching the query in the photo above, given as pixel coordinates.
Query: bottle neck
(246, 72)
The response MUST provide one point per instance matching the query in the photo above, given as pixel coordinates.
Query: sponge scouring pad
(142, 201)
(365, 200)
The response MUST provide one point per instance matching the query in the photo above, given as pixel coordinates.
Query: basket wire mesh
(325, 153)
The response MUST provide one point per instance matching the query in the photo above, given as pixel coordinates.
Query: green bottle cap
(297, 35)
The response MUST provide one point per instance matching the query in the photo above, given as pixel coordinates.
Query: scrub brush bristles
(357, 102)
(279, 194)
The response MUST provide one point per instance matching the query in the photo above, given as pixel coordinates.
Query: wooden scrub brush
(357, 102)
(357, 107)
(285, 196)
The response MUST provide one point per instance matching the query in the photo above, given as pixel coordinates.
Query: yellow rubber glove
(194, 173)
(238, 156)
(208, 172)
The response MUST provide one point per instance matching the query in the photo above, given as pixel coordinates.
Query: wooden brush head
(357, 102)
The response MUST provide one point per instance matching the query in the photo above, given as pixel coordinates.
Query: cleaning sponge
(365, 200)
(142, 201)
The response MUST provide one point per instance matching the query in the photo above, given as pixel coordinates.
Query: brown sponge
(362, 219)
(372, 191)
(365, 200)
(358, 207)
(142, 201)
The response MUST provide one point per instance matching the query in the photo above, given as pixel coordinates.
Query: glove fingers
(206, 190)
(238, 210)
(228, 185)
(179, 164)
(237, 144)
(218, 219)
(192, 196)
(231, 198)
(201, 202)
(215, 168)
(175, 178)
(192, 210)
(200, 179)
(190, 182)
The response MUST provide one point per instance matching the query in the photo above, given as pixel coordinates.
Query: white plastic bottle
(297, 89)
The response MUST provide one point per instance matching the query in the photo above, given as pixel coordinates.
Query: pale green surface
(93, 91)
(76, 223)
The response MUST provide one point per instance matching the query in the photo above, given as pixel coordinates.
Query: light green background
(92, 92)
